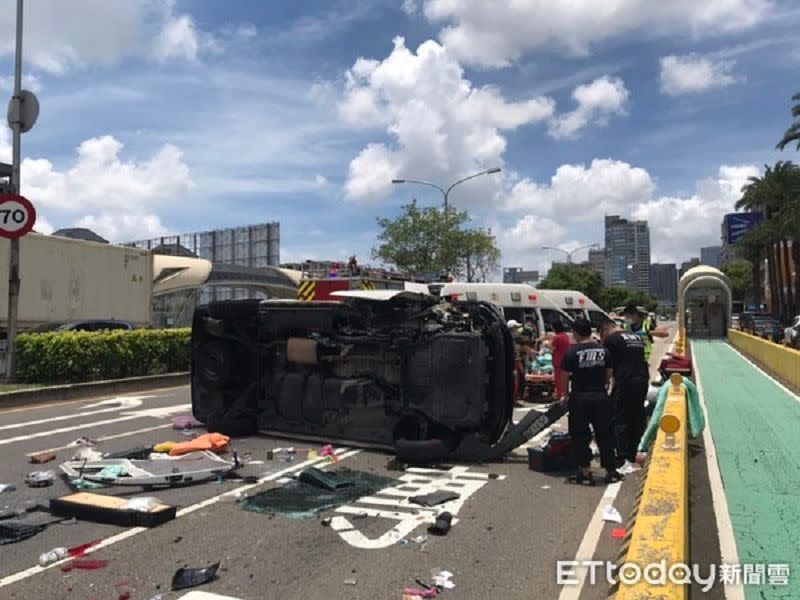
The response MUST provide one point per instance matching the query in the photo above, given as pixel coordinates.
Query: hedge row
(66, 357)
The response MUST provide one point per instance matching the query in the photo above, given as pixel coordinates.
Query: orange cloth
(207, 441)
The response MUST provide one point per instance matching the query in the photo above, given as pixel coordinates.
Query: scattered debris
(494, 476)
(611, 515)
(312, 454)
(85, 564)
(138, 453)
(87, 454)
(142, 512)
(185, 422)
(54, 555)
(85, 442)
(7, 487)
(188, 578)
(420, 592)
(40, 478)
(327, 450)
(164, 447)
(190, 468)
(83, 484)
(442, 579)
(270, 455)
(300, 500)
(209, 441)
(545, 487)
(42, 457)
(329, 480)
(618, 533)
(434, 498)
(629, 468)
(420, 539)
(442, 525)
(326, 522)
(351, 581)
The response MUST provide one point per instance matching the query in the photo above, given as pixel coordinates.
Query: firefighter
(586, 372)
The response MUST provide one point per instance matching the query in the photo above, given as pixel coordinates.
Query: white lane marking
(163, 392)
(121, 401)
(342, 454)
(756, 366)
(729, 555)
(589, 543)
(158, 412)
(122, 404)
(105, 438)
(408, 516)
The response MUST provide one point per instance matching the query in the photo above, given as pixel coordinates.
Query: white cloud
(124, 228)
(43, 226)
(597, 102)
(29, 82)
(578, 193)
(692, 74)
(441, 125)
(680, 226)
(320, 180)
(178, 39)
(410, 7)
(492, 34)
(246, 30)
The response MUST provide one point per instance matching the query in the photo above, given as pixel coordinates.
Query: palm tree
(776, 194)
(793, 133)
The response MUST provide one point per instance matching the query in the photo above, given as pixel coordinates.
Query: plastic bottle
(54, 555)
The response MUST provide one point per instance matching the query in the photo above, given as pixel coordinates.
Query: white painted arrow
(121, 403)
(153, 412)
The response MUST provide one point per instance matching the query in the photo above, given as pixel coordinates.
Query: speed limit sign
(17, 216)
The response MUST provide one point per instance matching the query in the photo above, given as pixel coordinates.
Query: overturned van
(406, 372)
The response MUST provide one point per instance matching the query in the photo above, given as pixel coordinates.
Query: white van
(577, 305)
(518, 301)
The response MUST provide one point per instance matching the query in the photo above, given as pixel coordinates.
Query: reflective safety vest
(644, 333)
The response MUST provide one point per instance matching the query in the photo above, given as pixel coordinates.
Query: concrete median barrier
(79, 391)
(658, 531)
(778, 360)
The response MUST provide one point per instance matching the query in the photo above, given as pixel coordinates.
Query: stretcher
(540, 384)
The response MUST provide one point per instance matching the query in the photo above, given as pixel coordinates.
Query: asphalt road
(513, 524)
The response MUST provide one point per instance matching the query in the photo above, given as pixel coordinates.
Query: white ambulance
(518, 301)
(576, 304)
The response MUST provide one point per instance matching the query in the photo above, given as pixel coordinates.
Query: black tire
(215, 363)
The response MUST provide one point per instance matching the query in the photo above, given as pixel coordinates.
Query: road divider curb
(658, 526)
(79, 391)
(780, 361)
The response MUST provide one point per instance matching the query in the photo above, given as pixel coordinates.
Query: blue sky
(162, 117)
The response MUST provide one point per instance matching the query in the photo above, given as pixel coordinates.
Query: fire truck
(322, 288)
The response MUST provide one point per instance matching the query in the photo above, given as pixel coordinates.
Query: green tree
(573, 277)
(740, 272)
(792, 135)
(422, 242)
(614, 297)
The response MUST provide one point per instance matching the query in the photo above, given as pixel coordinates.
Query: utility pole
(15, 121)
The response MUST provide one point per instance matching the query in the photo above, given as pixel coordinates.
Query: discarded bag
(188, 578)
(12, 532)
(442, 525)
(40, 478)
(210, 441)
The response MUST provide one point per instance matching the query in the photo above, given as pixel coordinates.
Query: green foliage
(74, 356)
(422, 241)
(740, 272)
(614, 297)
(792, 134)
(573, 277)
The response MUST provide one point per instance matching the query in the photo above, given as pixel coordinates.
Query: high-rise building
(597, 260)
(518, 275)
(627, 253)
(710, 256)
(664, 283)
(689, 264)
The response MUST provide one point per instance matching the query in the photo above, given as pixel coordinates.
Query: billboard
(735, 225)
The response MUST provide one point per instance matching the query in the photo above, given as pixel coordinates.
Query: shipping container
(64, 279)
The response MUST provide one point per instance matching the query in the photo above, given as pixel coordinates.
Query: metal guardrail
(779, 360)
(659, 531)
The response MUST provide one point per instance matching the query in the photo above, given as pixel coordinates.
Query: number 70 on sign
(17, 216)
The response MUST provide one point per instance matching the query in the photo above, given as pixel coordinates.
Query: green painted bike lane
(755, 425)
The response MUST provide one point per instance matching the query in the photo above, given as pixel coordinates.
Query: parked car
(736, 322)
(746, 319)
(427, 378)
(767, 328)
(791, 335)
(84, 325)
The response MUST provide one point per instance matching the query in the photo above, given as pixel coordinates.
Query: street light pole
(570, 252)
(13, 254)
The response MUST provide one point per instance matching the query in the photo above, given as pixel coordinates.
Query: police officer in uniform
(586, 372)
(631, 380)
(637, 321)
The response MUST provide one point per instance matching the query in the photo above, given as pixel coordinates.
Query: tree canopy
(422, 241)
(740, 272)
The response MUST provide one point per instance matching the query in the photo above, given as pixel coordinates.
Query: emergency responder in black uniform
(631, 380)
(586, 373)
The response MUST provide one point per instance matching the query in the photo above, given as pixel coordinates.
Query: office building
(689, 264)
(518, 275)
(664, 283)
(627, 253)
(711, 256)
(597, 260)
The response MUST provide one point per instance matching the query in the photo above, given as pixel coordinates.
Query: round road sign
(17, 216)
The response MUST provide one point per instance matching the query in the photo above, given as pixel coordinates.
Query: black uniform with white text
(589, 404)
